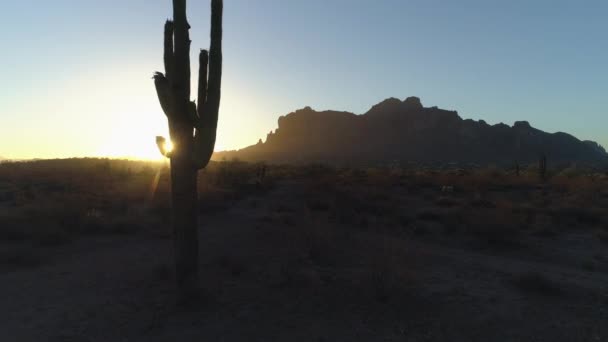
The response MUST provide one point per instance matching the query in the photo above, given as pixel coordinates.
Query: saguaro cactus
(542, 167)
(192, 127)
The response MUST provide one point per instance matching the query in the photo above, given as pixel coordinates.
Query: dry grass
(53, 202)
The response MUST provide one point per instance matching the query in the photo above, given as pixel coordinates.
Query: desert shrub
(31, 228)
(404, 219)
(232, 265)
(317, 204)
(446, 201)
(429, 214)
(216, 201)
(574, 215)
(602, 235)
(481, 202)
(498, 227)
(311, 171)
(382, 281)
(388, 269)
(570, 172)
(320, 244)
(496, 233)
(588, 265)
(162, 272)
(543, 226)
(574, 183)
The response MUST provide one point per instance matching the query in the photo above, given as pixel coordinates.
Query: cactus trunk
(184, 219)
(192, 128)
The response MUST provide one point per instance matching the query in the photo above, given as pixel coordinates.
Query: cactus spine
(192, 127)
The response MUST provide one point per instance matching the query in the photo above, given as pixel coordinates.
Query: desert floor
(312, 254)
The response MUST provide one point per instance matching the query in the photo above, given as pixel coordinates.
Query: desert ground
(305, 253)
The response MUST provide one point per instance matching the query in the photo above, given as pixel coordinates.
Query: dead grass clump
(163, 272)
(297, 273)
(448, 202)
(454, 220)
(575, 215)
(233, 265)
(602, 235)
(280, 219)
(588, 265)
(421, 228)
(317, 204)
(18, 256)
(574, 183)
(41, 231)
(321, 244)
(499, 227)
(536, 283)
(429, 214)
(496, 233)
(538, 224)
(404, 219)
(480, 202)
(213, 200)
(388, 271)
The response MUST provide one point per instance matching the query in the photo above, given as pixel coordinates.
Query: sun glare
(168, 146)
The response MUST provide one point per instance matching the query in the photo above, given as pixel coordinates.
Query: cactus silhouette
(542, 167)
(192, 127)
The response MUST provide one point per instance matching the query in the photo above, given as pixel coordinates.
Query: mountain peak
(413, 102)
(521, 124)
(394, 105)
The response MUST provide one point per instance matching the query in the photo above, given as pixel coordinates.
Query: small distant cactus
(517, 170)
(542, 167)
(260, 174)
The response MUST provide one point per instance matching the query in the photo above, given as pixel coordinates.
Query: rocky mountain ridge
(406, 131)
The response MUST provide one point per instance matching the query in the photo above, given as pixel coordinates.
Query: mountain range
(406, 131)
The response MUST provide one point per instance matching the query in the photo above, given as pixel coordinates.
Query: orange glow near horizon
(115, 114)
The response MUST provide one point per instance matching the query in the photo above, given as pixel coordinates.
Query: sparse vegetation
(371, 240)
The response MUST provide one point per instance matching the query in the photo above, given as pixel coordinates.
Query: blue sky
(76, 74)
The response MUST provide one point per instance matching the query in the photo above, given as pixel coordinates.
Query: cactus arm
(168, 49)
(205, 135)
(204, 144)
(215, 60)
(202, 81)
(160, 143)
(163, 90)
(180, 80)
(192, 115)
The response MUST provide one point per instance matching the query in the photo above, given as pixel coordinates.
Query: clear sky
(76, 74)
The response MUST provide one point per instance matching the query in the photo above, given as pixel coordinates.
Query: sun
(140, 148)
(168, 146)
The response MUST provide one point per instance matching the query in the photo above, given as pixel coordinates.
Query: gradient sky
(76, 74)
